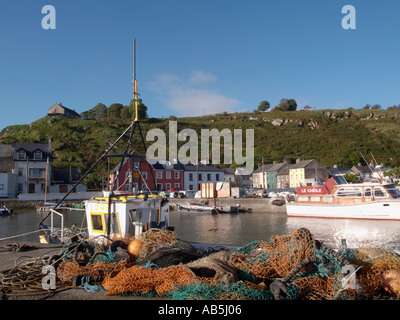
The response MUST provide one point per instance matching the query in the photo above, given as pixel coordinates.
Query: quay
(249, 204)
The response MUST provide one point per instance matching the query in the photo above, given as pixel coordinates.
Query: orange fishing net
(277, 257)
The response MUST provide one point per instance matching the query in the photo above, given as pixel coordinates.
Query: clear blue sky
(196, 57)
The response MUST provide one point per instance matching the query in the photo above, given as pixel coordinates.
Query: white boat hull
(376, 210)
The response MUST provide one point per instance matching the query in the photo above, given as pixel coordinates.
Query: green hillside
(330, 136)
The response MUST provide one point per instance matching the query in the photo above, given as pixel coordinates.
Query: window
(349, 192)
(43, 187)
(159, 174)
(368, 192)
(315, 199)
(177, 185)
(168, 186)
(168, 175)
(327, 199)
(20, 172)
(380, 193)
(1, 186)
(97, 223)
(21, 155)
(200, 177)
(208, 176)
(217, 176)
(20, 186)
(176, 175)
(144, 175)
(128, 187)
(159, 186)
(190, 176)
(136, 165)
(190, 187)
(37, 173)
(37, 155)
(303, 199)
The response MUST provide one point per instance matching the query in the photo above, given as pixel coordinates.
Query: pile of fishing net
(294, 266)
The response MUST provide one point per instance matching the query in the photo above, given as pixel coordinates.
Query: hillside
(330, 136)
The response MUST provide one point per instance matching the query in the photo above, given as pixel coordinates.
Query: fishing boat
(191, 207)
(339, 199)
(114, 215)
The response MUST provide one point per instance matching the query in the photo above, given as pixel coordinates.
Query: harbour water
(234, 229)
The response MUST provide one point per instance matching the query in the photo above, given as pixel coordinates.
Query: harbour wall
(255, 204)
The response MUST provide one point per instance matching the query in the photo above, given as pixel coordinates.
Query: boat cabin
(130, 215)
(337, 191)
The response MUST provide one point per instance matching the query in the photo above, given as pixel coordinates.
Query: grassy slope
(307, 134)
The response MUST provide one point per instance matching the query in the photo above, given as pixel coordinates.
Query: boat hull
(376, 210)
(196, 209)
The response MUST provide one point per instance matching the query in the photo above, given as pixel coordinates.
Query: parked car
(175, 193)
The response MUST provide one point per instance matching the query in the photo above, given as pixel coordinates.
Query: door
(31, 188)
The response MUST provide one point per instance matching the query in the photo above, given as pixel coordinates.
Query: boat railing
(52, 213)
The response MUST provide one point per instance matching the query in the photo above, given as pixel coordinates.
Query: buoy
(134, 247)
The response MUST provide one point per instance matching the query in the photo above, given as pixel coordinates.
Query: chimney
(298, 160)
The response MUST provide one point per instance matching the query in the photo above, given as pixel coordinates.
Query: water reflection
(237, 229)
(240, 229)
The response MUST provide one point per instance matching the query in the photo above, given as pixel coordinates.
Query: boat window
(349, 192)
(367, 192)
(97, 223)
(380, 193)
(395, 193)
(302, 199)
(315, 199)
(327, 199)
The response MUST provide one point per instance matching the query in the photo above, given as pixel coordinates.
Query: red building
(137, 174)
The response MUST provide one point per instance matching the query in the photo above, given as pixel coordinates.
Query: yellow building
(307, 173)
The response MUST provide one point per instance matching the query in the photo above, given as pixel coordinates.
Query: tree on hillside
(100, 111)
(88, 115)
(114, 110)
(287, 105)
(263, 106)
(376, 106)
(142, 109)
(367, 106)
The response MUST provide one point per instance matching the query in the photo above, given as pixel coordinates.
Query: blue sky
(196, 57)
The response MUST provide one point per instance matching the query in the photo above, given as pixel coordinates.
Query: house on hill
(60, 111)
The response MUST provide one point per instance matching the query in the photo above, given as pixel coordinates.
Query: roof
(201, 167)
(312, 163)
(361, 169)
(30, 148)
(65, 176)
(70, 112)
(263, 168)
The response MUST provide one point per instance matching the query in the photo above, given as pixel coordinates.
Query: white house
(31, 162)
(201, 173)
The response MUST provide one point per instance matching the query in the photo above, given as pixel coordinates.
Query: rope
(19, 235)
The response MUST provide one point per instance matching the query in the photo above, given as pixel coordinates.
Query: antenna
(135, 83)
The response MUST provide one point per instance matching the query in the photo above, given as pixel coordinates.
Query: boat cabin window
(368, 192)
(327, 199)
(315, 199)
(302, 199)
(395, 193)
(349, 192)
(380, 193)
(97, 223)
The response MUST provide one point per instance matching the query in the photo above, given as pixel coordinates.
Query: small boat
(6, 212)
(191, 207)
(339, 199)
